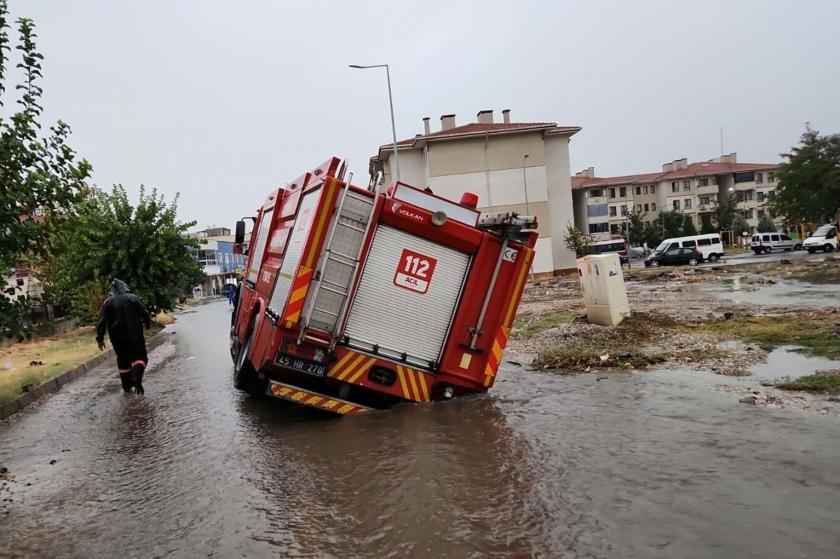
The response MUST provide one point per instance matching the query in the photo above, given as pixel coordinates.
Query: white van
(767, 242)
(709, 245)
(824, 238)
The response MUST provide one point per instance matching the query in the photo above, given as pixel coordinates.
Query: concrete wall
(412, 168)
(559, 181)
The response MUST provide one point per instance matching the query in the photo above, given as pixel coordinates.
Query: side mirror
(240, 232)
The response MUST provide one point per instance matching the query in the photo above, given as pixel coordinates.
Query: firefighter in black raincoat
(124, 316)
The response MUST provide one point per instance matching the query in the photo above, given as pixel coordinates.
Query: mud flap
(314, 399)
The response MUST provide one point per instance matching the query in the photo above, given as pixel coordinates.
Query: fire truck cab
(355, 299)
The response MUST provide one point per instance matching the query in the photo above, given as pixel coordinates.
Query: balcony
(710, 207)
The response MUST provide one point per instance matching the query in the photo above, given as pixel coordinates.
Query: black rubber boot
(137, 379)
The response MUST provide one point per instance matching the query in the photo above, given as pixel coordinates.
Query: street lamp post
(391, 101)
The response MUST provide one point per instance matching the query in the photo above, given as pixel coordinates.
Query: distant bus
(618, 246)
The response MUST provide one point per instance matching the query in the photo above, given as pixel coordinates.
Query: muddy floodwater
(654, 464)
(782, 293)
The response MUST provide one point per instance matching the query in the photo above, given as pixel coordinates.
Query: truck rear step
(314, 399)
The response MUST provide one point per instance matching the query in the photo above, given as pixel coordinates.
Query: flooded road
(631, 465)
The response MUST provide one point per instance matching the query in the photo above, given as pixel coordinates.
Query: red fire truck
(355, 300)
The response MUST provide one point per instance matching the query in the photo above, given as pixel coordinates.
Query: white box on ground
(604, 295)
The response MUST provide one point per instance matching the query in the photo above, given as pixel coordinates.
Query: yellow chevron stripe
(292, 318)
(363, 369)
(329, 404)
(298, 396)
(345, 408)
(350, 367)
(341, 362)
(401, 374)
(298, 293)
(422, 380)
(526, 263)
(314, 400)
(497, 351)
(415, 393)
(328, 190)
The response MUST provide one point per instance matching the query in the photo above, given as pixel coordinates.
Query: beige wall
(455, 157)
(561, 213)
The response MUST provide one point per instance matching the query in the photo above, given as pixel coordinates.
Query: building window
(638, 208)
(20, 282)
(761, 196)
(676, 204)
(653, 189)
(638, 191)
(622, 192)
(645, 189)
(760, 214)
(613, 211)
(744, 176)
(759, 178)
(687, 203)
(704, 182)
(595, 193)
(686, 186)
(599, 227)
(653, 207)
(771, 176)
(612, 192)
(596, 210)
(704, 200)
(646, 208)
(675, 186)
(624, 211)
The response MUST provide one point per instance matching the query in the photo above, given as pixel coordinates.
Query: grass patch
(817, 333)
(578, 358)
(51, 356)
(825, 382)
(528, 325)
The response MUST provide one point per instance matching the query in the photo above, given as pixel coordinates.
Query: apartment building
(512, 166)
(602, 204)
(218, 261)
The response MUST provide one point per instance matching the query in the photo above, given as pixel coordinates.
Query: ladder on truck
(338, 267)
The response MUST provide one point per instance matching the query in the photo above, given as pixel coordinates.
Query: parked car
(768, 242)
(824, 238)
(675, 255)
(637, 252)
(709, 246)
(618, 246)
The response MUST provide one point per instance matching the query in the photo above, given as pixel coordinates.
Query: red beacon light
(469, 200)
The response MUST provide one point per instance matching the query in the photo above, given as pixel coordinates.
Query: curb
(55, 383)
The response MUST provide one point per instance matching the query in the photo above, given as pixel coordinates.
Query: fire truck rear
(356, 300)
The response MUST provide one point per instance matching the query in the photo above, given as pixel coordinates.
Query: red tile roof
(478, 129)
(699, 169)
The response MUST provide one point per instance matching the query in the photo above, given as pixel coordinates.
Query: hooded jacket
(123, 315)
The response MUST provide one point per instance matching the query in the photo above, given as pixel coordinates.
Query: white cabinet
(602, 281)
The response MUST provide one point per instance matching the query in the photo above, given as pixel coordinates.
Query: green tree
(652, 234)
(766, 224)
(635, 229)
(688, 228)
(726, 210)
(809, 179)
(40, 177)
(740, 225)
(576, 241)
(706, 226)
(671, 224)
(107, 237)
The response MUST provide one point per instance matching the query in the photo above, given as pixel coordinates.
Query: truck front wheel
(244, 375)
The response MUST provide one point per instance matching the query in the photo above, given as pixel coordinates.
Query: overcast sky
(223, 100)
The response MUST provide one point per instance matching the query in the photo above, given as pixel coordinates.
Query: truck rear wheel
(244, 374)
